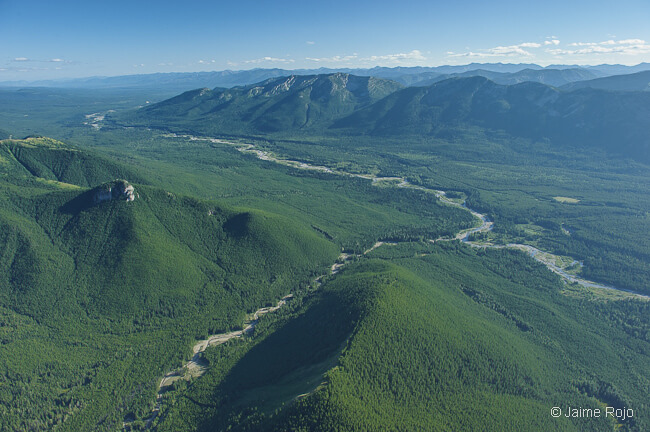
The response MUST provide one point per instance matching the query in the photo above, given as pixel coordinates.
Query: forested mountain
(182, 81)
(278, 104)
(619, 69)
(137, 253)
(344, 103)
(115, 262)
(639, 81)
(552, 77)
(85, 271)
(46, 159)
(434, 343)
(587, 117)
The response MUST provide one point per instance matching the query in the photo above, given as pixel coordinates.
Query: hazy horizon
(43, 41)
(71, 78)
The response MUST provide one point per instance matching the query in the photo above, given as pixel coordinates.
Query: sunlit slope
(158, 254)
(453, 340)
(99, 293)
(347, 104)
(277, 104)
(46, 160)
(63, 252)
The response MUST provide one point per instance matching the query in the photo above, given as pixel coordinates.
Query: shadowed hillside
(582, 118)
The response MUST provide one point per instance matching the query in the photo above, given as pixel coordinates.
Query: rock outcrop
(115, 190)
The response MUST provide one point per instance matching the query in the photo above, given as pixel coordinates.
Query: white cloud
(552, 42)
(269, 60)
(266, 59)
(414, 55)
(631, 42)
(53, 60)
(334, 59)
(310, 43)
(511, 50)
(504, 51)
(625, 47)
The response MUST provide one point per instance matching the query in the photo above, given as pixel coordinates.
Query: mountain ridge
(330, 104)
(286, 103)
(639, 81)
(182, 81)
(582, 118)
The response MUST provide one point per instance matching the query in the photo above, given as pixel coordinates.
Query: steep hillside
(587, 117)
(277, 104)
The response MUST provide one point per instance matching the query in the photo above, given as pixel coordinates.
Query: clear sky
(70, 38)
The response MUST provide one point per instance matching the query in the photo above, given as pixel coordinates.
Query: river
(194, 367)
(485, 225)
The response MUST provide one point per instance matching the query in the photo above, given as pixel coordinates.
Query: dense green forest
(443, 341)
(100, 298)
(96, 291)
(517, 184)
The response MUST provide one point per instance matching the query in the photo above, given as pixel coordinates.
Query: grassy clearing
(58, 184)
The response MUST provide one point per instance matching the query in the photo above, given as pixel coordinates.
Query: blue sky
(59, 39)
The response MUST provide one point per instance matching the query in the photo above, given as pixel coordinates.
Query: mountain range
(121, 256)
(277, 104)
(552, 77)
(330, 104)
(182, 81)
(639, 81)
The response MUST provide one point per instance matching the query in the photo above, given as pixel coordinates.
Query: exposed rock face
(115, 190)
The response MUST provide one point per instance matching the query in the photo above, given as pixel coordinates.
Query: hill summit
(115, 190)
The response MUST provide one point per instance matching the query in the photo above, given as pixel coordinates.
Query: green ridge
(454, 340)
